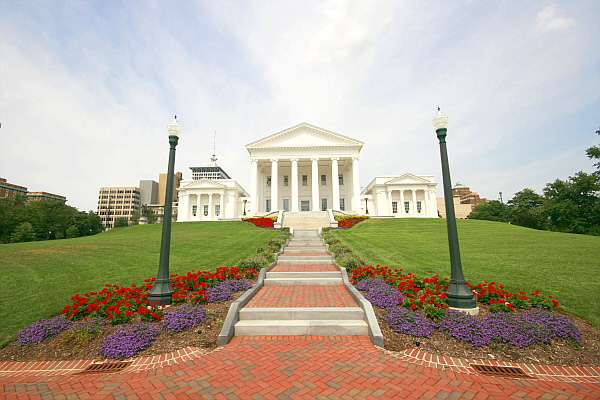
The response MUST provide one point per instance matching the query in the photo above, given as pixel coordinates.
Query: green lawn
(564, 265)
(39, 278)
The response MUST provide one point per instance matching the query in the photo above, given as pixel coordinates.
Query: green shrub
(338, 248)
(72, 232)
(350, 261)
(23, 233)
(256, 262)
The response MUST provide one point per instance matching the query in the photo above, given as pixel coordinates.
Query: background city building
(10, 189)
(148, 192)
(118, 202)
(45, 196)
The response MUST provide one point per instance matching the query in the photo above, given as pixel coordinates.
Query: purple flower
(408, 322)
(224, 290)
(184, 317)
(380, 293)
(129, 340)
(236, 285)
(43, 329)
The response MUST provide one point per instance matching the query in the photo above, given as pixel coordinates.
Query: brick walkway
(302, 296)
(304, 268)
(296, 367)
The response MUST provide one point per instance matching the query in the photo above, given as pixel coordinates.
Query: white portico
(401, 196)
(304, 168)
(210, 200)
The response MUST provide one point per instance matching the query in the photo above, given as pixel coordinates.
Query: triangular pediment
(203, 184)
(407, 179)
(302, 136)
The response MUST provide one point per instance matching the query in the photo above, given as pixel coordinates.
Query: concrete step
(301, 327)
(302, 281)
(302, 313)
(315, 275)
(314, 249)
(304, 260)
(305, 243)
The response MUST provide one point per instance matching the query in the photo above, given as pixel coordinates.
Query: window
(305, 205)
(323, 204)
(342, 203)
(268, 205)
(217, 209)
(286, 204)
(419, 207)
(286, 181)
(268, 181)
(341, 179)
(304, 180)
(406, 207)
(394, 207)
(323, 180)
(206, 210)
(194, 210)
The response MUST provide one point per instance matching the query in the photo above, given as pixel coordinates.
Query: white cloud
(547, 19)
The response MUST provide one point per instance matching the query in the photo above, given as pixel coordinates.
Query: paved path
(296, 367)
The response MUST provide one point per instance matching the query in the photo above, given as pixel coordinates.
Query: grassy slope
(564, 265)
(39, 278)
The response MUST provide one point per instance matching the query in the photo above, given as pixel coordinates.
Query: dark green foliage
(526, 209)
(23, 233)
(48, 219)
(490, 211)
(121, 222)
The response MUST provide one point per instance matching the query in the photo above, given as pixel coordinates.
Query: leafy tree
(72, 232)
(121, 222)
(593, 153)
(574, 205)
(490, 210)
(11, 215)
(526, 209)
(135, 218)
(23, 233)
(150, 216)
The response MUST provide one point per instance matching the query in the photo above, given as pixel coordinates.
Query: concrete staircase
(303, 268)
(305, 220)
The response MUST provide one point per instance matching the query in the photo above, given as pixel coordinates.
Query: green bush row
(344, 255)
(265, 255)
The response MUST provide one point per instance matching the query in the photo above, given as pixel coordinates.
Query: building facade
(401, 196)
(45, 196)
(117, 202)
(9, 190)
(304, 168)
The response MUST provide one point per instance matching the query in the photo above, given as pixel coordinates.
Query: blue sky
(88, 87)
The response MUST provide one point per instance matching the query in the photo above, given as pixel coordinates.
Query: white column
(335, 180)
(401, 208)
(389, 197)
(355, 185)
(414, 201)
(198, 209)
(295, 198)
(222, 205)
(254, 186)
(425, 196)
(210, 207)
(315, 184)
(274, 185)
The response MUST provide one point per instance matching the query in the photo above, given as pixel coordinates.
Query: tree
(573, 205)
(526, 209)
(593, 153)
(72, 232)
(23, 233)
(490, 210)
(11, 215)
(149, 214)
(135, 218)
(121, 222)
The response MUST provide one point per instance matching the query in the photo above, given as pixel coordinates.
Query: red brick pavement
(302, 296)
(304, 268)
(295, 367)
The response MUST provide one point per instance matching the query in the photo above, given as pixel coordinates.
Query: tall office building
(148, 192)
(117, 202)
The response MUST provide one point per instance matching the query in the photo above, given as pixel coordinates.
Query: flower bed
(348, 221)
(263, 222)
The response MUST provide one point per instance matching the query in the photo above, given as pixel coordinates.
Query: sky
(87, 88)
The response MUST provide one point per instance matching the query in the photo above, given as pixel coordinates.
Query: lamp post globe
(459, 295)
(162, 291)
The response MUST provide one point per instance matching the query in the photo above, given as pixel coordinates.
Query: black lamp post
(162, 290)
(366, 206)
(503, 212)
(459, 295)
(245, 207)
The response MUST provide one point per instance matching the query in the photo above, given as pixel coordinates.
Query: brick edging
(554, 373)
